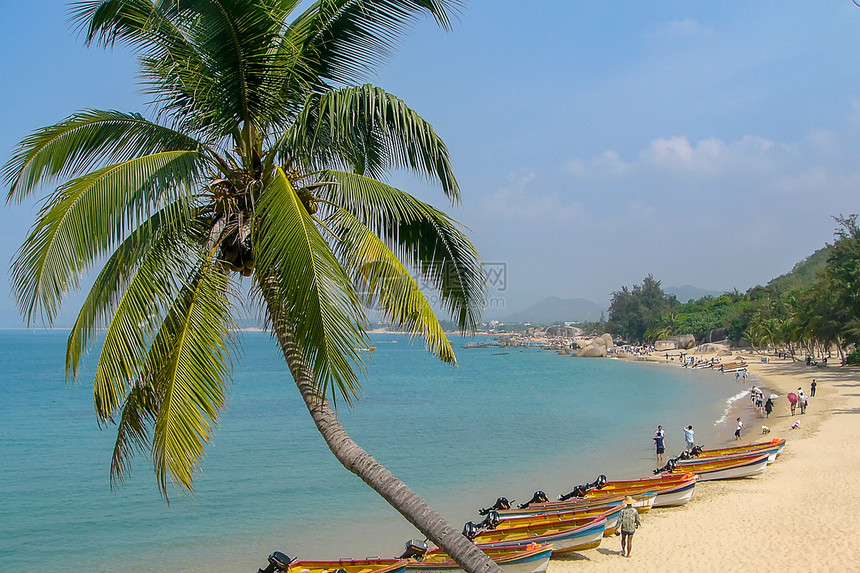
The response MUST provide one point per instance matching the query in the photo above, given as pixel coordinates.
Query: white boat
(730, 468)
(673, 497)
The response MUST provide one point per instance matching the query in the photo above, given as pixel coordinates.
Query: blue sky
(595, 142)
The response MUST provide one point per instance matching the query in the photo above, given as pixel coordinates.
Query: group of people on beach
(762, 406)
(660, 440)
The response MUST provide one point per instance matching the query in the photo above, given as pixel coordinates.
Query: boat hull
(729, 469)
(643, 502)
(531, 558)
(571, 518)
(671, 490)
(350, 566)
(563, 540)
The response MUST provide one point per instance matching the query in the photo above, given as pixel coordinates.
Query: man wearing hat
(628, 521)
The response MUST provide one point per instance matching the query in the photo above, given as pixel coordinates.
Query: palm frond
(210, 63)
(295, 262)
(384, 282)
(444, 256)
(86, 217)
(133, 431)
(429, 241)
(82, 141)
(348, 39)
(128, 298)
(188, 365)
(372, 132)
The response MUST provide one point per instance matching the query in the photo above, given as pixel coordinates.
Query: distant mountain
(553, 309)
(687, 293)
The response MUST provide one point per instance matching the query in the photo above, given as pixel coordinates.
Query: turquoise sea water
(505, 422)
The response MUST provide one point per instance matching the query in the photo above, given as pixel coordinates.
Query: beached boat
(563, 536)
(573, 517)
(771, 452)
(528, 558)
(672, 489)
(347, 565)
(643, 502)
(727, 468)
(733, 366)
(773, 449)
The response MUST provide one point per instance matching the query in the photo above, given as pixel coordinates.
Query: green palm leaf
(139, 412)
(86, 217)
(428, 240)
(348, 39)
(189, 363)
(313, 291)
(82, 141)
(385, 283)
(128, 298)
(372, 132)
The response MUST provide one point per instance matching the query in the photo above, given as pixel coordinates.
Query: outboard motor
(538, 497)
(696, 451)
(581, 490)
(472, 530)
(501, 503)
(685, 455)
(670, 465)
(278, 562)
(415, 549)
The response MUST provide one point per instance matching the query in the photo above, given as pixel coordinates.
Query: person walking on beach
(738, 429)
(812, 387)
(628, 521)
(768, 407)
(801, 401)
(659, 441)
(688, 437)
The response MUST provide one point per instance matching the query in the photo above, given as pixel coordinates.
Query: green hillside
(803, 274)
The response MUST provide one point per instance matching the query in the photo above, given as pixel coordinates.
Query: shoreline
(783, 518)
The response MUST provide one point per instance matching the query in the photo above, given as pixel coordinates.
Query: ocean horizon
(505, 422)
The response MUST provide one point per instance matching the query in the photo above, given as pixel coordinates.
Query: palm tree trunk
(408, 503)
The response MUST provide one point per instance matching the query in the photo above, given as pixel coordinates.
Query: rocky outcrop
(593, 351)
(608, 339)
(680, 342)
(596, 348)
(713, 348)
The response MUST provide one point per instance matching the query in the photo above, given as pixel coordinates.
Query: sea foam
(729, 403)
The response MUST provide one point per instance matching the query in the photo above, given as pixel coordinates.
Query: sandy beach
(796, 516)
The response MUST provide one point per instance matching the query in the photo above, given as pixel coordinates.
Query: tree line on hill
(809, 311)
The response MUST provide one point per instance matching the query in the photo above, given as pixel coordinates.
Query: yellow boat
(726, 468)
(570, 535)
(773, 447)
(643, 503)
(672, 489)
(572, 516)
(280, 562)
(527, 558)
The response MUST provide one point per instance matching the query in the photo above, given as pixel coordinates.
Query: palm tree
(262, 159)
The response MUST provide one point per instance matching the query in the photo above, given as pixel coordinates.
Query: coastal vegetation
(262, 160)
(808, 311)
